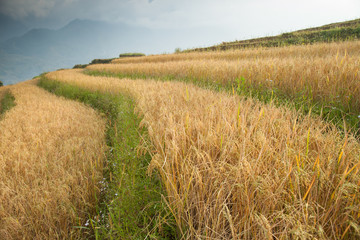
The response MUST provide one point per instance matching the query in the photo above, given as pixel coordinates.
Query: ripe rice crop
(315, 50)
(51, 153)
(235, 168)
(326, 73)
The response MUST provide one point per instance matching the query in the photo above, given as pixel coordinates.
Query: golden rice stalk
(49, 148)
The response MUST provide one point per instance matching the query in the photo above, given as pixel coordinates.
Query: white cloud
(241, 18)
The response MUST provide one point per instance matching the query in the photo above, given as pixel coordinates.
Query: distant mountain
(10, 28)
(74, 39)
(41, 50)
(81, 41)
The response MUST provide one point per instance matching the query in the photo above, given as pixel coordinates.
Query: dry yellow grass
(324, 72)
(51, 153)
(239, 169)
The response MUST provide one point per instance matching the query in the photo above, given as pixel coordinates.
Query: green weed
(7, 102)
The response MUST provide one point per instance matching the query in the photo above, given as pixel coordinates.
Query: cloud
(19, 9)
(250, 17)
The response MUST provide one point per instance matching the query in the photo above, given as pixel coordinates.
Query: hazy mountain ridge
(41, 50)
(81, 41)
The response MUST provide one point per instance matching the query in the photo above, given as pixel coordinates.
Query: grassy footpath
(7, 101)
(130, 202)
(341, 116)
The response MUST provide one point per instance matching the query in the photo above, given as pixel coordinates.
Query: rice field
(328, 74)
(235, 168)
(51, 157)
(315, 50)
(232, 167)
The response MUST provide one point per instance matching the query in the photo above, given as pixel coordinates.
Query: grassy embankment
(237, 168)
(335, 32)
(322, 78)
(129, 206)
(51, 154)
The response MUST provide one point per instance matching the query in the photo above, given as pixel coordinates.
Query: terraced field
(237, 168)
(243, 144)
(324, 77)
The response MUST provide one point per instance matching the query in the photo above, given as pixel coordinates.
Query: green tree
(1, 84)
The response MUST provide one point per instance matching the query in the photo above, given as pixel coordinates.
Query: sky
(238, 19)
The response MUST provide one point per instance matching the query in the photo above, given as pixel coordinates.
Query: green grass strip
(130, 202)
(7, 102)
(342, 116)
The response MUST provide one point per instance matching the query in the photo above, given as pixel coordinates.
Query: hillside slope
(348, 30)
